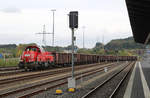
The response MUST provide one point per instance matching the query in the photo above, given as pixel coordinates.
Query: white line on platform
(130, 84)
(144, 83)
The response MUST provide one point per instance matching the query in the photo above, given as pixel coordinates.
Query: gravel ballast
(87, 84)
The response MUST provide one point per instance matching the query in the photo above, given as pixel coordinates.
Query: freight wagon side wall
(66, 58)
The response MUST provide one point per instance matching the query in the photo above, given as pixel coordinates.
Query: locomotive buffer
(73, 24)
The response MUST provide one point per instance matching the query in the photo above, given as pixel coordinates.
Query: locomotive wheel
(50, 65)
(46, 65)
(43, 66)
(21, 65)
(26, 69)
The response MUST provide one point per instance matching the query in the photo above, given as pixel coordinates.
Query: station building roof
(139, 15)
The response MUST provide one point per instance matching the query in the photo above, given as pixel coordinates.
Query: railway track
(5, 71)
(113, 94)
(64, 78)
(42, 74)
(11, 72)
(8, 68)
(109, 93)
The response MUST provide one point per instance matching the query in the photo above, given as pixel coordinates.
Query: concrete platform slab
(138, 85)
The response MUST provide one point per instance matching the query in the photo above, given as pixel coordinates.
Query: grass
(9, 62)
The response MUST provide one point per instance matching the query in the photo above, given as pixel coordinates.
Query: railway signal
(73, 23)
(73, 19)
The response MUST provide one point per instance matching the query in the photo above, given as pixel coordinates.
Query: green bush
(9, 62)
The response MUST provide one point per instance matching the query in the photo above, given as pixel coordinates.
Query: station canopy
(139, 15)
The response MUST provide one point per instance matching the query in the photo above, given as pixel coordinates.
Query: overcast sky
(20, 20)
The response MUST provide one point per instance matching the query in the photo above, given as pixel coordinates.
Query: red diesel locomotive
(35, 57)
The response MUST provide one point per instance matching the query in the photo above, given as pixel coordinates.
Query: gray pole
(72, 52)
(53, 27)
(44, 38)
(83, 36)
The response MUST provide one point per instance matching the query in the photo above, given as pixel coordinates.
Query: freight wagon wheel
(42, 66)
(65, 65)
(52, 65)
(34, 69)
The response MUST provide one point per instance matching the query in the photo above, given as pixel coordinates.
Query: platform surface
(139, 82)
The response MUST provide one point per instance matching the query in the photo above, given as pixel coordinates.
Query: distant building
(68, 49)
(6, 55)
(1, 56)
(99, 45)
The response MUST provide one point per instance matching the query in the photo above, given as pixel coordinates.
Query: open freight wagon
(35, 57)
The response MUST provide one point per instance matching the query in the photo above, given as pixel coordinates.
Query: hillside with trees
(125, 46)
(127, 43)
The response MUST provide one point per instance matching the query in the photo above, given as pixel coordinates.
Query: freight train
(35, 57)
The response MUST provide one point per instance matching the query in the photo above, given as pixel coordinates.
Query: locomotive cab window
(34, 49)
